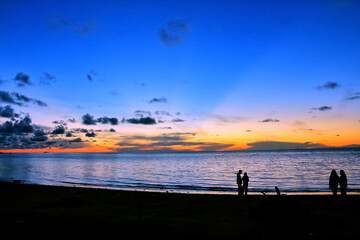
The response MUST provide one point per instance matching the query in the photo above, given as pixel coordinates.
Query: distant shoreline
(245, 150)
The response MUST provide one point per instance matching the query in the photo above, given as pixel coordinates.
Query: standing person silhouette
(343, 183)
(239, 182)
(245, 180)
(334, 182)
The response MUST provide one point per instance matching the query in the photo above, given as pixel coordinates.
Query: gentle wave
(207, 172)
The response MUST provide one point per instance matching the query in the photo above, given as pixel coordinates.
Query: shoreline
(227, 193)
(30, 209)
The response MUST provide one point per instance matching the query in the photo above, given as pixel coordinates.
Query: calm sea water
(204, 172)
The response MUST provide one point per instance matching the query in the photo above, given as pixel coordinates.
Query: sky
(133, 76)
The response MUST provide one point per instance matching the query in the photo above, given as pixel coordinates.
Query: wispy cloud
(19, 99)
(47, 79)
(225, 118)
(57, 23)
(168, 143)
(173, 32)
(91, 75)
(178, 120)
(354, 96)
(322, 108)
(274, 145)
(158, 100)
(269, 120)
(328, 85)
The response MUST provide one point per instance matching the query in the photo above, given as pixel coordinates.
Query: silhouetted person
(334, 182)
(239, 182)
(277, 190)
(245, 180)
(343, 183)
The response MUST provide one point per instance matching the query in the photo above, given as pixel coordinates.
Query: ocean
(293, 171)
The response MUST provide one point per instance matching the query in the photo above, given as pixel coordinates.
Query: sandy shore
(81, 212)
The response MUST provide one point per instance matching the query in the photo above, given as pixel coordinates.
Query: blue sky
(238, 62)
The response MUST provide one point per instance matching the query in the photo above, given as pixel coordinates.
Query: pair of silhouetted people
(242, 182)
(335, 181)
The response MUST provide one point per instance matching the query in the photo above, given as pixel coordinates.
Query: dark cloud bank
(23, 134)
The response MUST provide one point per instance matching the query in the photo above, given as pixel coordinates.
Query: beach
(55, 211)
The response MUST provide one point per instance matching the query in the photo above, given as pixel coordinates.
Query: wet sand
(33, 210)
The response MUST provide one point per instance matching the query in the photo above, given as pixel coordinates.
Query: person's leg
(334, 190)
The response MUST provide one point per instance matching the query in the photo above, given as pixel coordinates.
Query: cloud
(162, 113)
(47, 79)
(142, 120)
(158, 100)
(22, 79)
(59, 130)
(62, 122)
(141, 113)
(105, 120)
(269, 120)
(23, 98)
(173, 32)
(112, 130)
(225, 119)
(322, 108)
(178, 120)
(328, 85)
(72, 120)
(92, 134)
(167, 143)
(274, 145)
(355, 96)
(17, 127)
(87, 119)
(39, 136)
(91, 75)
(69, 134)
(57, 23)
(19, 99)
(76, 140)
(165, 127)
(8, 112)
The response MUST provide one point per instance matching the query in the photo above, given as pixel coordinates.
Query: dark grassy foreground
(32, 210)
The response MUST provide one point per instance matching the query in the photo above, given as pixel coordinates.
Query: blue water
(201, 172)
